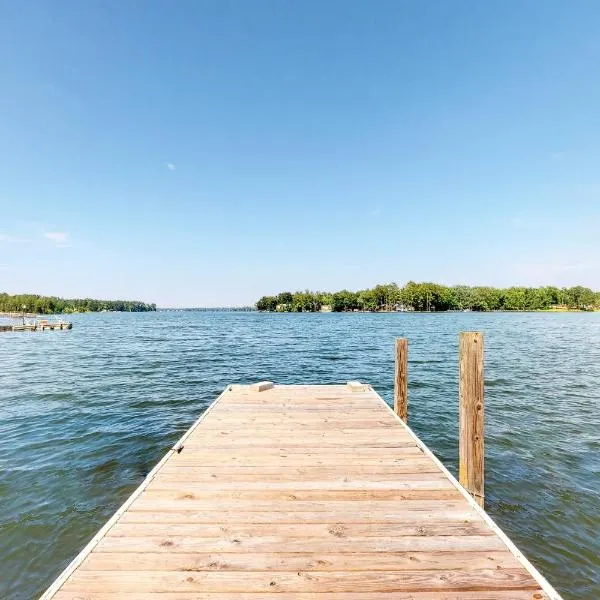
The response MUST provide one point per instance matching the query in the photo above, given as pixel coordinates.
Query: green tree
(267, 303)
(580, 297)
(344, 301)
(427, 296)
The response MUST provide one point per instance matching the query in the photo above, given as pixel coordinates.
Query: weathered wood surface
(287, 491)
(471, 409)
(401, 379)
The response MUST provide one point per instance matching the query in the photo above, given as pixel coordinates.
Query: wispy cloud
(170, 166)
(60, 238)
(57, 236)
(376, 212)
(11, 239)
(558, 155)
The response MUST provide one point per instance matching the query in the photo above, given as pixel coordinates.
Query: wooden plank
(294, 501)
(205, 436)
(300, 475)
(279, 431)
(281, 543)
(398, 460)
(274, 406)
(198, 595)
(386, 516)
(285, 496)
(300, 530)
(216, 480)
(306, 443)
(471, 402)
(301, 424)
(316, 451)
(301, 581)
(311, 421)
(401, 379)
(266, 410)
(241, 499)
(289, 561)
(433, 483)
(281, 470)
(401, 456)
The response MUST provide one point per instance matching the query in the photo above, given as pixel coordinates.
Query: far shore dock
(301, 492)
(30, 322)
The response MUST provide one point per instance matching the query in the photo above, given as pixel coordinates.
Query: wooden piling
(401, 379)
(471, 408)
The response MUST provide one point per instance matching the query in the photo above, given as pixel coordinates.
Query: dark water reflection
(85, 414)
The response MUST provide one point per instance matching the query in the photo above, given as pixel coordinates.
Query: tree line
(211, 309)
(433, 297)
(47, 305)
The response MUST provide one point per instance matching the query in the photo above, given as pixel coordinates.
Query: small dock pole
(471, 427)
(401, 379)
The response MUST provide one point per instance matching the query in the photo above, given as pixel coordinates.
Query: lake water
(85, 414)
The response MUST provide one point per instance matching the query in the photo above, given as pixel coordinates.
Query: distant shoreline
(434, 297)
(52, 305)
(431, 312)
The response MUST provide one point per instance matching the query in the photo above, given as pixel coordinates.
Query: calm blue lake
(85, 414)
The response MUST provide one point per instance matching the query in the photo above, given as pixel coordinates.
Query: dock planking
(305, 492)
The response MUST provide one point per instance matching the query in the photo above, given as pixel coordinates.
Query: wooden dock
(39, 325)
(298, 492)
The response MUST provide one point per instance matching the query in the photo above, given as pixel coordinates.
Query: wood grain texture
(307, 492)
(293, 561)
(471, 408)
(439, 595)
(316, 582)
(401, 379)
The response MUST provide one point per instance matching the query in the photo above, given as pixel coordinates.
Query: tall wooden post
(401, 379)
(471, 446)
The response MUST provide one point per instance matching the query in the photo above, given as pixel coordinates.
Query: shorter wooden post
(471, 442)
(401, 379)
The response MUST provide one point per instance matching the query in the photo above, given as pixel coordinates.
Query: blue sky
(206, 153)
